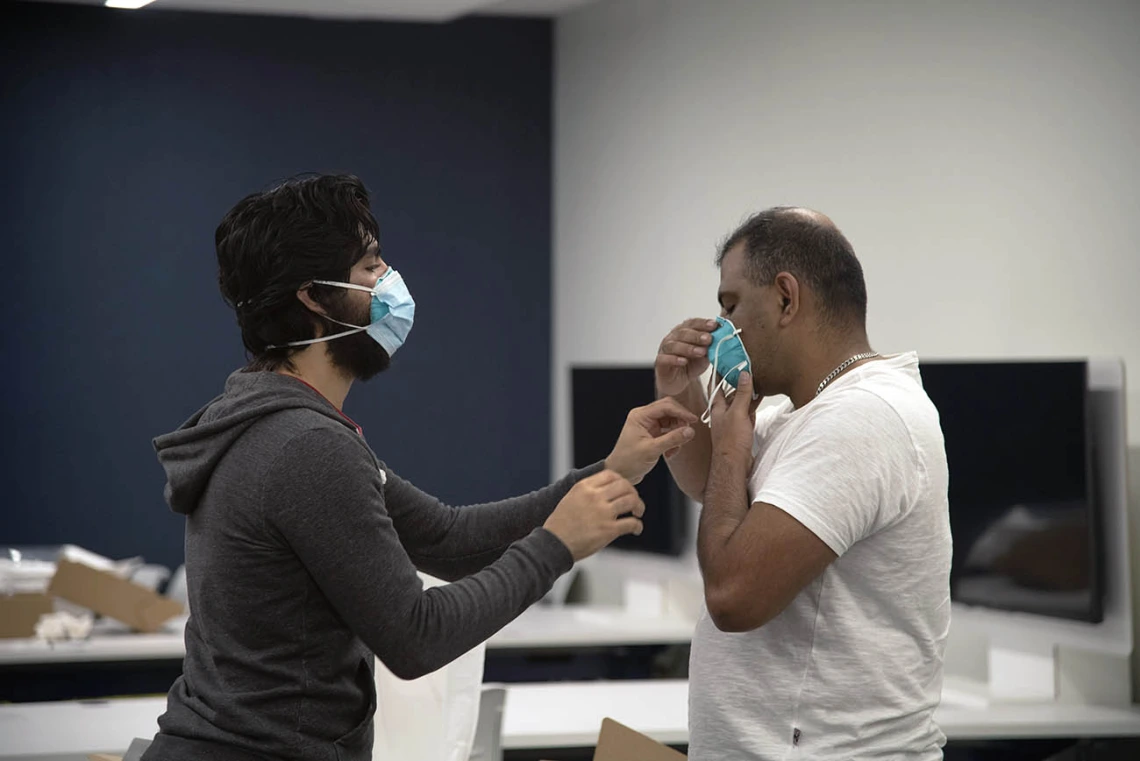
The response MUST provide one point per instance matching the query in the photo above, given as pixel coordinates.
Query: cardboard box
(106, 594)
(617, 742)
(20, 613)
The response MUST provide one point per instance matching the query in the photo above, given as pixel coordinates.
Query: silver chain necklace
(843, 366)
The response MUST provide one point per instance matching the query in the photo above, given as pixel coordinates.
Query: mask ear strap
(713, 387)
(339, 284)
(706, 416)
(342, 334)
(723, 387)
(748, 361)
(355, 328)
(710, 388)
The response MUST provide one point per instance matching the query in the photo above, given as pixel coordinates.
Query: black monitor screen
(1022, 509)
(601, 397)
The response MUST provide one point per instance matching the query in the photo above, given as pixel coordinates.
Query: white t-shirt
(852, 668)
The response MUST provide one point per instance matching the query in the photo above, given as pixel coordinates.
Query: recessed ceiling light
(129, 4)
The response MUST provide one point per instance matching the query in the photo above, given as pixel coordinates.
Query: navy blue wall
(126, 136)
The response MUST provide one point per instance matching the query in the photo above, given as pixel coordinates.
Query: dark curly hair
(272, 243)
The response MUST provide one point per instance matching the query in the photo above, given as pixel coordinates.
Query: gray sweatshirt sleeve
(325, 497)
(452, 542)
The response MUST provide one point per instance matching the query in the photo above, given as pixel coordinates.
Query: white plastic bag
(432, 718)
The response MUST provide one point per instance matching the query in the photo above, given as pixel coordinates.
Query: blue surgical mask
(728, 358)
(392, 313)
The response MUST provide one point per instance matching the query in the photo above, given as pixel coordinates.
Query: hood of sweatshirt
(190, 454)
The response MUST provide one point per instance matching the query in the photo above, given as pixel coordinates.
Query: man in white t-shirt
(824, 539)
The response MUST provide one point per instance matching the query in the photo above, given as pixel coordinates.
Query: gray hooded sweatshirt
(301, 558)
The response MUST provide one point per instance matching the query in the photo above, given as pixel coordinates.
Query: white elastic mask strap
(710, 387)
(338, 284)
(713, 386)
(724, 386)
(343, 333)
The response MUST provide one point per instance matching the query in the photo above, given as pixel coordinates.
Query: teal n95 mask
(393, 312)
(728, 358)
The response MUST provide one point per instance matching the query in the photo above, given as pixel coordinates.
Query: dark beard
(356, 354)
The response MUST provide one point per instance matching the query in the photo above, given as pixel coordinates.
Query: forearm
(690, 464)
(452, 542)
(444, 622)
(329, 504)
(724, 510)
(415, 631)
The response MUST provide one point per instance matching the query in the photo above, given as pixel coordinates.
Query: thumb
(666, 408)
(672, 440)
(743, 398)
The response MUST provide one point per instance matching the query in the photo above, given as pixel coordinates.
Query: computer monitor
(601, 398)
(1024, 512)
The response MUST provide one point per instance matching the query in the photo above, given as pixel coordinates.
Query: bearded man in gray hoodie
(302, 546)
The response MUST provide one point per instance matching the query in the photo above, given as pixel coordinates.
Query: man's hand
(589, 516)
(683, 355)
(681, 359)
(649, 432)
(733, 422)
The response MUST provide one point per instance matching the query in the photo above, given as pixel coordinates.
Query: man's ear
(789, 296)
(307, 299)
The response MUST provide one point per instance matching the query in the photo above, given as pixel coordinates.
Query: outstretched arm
(451, 542)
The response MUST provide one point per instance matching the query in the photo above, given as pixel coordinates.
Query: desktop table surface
(556, 715)
(543, 715)
(537, 628)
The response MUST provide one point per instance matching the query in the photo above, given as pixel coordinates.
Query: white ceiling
(390, 10)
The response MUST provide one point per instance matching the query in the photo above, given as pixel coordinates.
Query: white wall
(982, 157)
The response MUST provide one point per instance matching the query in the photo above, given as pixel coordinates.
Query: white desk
(569, 714)
(553, 715)
(562, 715)
(540, 627)
(71, 730)
(590, 626)
(109, 641)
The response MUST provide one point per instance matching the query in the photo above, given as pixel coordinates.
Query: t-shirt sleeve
(848, 470)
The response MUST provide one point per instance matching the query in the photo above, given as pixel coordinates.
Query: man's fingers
(691, 336)
(627, 526)
(720, 399)
(628, 503)
(743, 392)
(603, 479)
(664, 361)
(674, 439)
(663, 411)
(698, 323)
(674, 348)
(617, 489)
